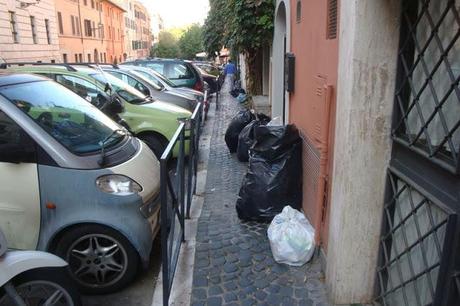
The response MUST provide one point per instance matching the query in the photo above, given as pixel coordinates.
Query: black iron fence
(178, 184)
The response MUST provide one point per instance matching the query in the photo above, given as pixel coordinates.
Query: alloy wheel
(97, 260)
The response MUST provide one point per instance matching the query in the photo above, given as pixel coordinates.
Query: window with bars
(428, 96)
(412, 246)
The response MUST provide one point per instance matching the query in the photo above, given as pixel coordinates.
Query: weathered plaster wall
(368, 47)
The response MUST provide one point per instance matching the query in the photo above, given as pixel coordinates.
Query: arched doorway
(96, 56)
(281, 45)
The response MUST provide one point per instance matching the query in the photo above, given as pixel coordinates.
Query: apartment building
(130, 30)
(143, 38)
(114, 26)
(81, 31)
(90, 30)
(28, 31)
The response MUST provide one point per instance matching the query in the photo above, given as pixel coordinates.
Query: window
(332, 19)
(110, 33)
(89, 58)
(77, 25)
(299, 11)
(85, 2)
(88, 31)
(72, 21)
(428, 98)
(176, 71)
(93, 29)
(47, 30)
(13, 136)
(80, 57)
(61, 28)
(64, 58)
(105, 57)
(81, 87)
(92, 3)
(76, 124)
(33, 29)
(14, 28)
(76, 58)
(101, 27)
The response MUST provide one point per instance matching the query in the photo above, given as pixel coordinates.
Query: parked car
(211, 80)
(180, 72)
(162, 81)
(153, 121)
(151, 89)
(208, 68)
(74, 183)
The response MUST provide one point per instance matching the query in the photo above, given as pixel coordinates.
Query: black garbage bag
(246, 137)
(274, 179)
(238, 122)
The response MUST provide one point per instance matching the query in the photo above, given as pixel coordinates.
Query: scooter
(34, 278)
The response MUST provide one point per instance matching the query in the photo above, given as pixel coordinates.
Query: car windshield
(68, 118)
(153, 76)
(146, 79)
(124, 90)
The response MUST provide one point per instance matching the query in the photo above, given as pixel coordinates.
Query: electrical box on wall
(289, 72)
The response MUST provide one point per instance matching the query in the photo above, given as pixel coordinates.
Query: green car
(153, 121)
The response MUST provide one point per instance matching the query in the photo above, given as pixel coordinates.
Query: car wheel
(155, 144)
(44, 286)
(101, 260)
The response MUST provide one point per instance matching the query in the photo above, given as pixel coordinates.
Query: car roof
(11, 78)
(52, 68)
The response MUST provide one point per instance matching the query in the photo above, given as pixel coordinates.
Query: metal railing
(177, 186)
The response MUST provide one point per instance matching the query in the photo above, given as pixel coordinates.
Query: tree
(190, 42)
(245, 26)
(166, 46)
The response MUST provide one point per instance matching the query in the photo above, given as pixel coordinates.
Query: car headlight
(118, 185)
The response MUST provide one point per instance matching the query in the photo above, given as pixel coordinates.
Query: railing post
(190, 165)
(164, 226)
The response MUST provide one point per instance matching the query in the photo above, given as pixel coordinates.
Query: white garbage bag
(292, 238)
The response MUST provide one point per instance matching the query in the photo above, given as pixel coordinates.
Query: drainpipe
(81, 32)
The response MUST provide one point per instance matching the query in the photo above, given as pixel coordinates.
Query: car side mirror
(115, 106)
(17, 153)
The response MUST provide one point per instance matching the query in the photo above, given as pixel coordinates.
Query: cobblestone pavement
(233, 260)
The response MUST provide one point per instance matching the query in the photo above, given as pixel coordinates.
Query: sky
(179, 13)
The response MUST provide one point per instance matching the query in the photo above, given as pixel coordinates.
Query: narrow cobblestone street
(233, 260)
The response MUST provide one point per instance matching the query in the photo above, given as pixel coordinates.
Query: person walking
(230, 71)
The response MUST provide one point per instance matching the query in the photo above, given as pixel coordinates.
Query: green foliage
(241, 25)
(179, 43)
(190, 42)
(167, 46)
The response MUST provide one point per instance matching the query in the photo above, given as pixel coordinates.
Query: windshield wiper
(104, 141)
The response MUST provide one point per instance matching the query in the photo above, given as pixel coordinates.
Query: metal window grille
(427, 102)
(415, 246)
(332, 19)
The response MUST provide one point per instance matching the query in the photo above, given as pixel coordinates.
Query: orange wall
(75, 44)
(315, 81)
(114, 21)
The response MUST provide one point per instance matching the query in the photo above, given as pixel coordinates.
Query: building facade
(28, 33)
(81, 31)
(114, 26)
(143, 38)
(130, 30)
(377, 100)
